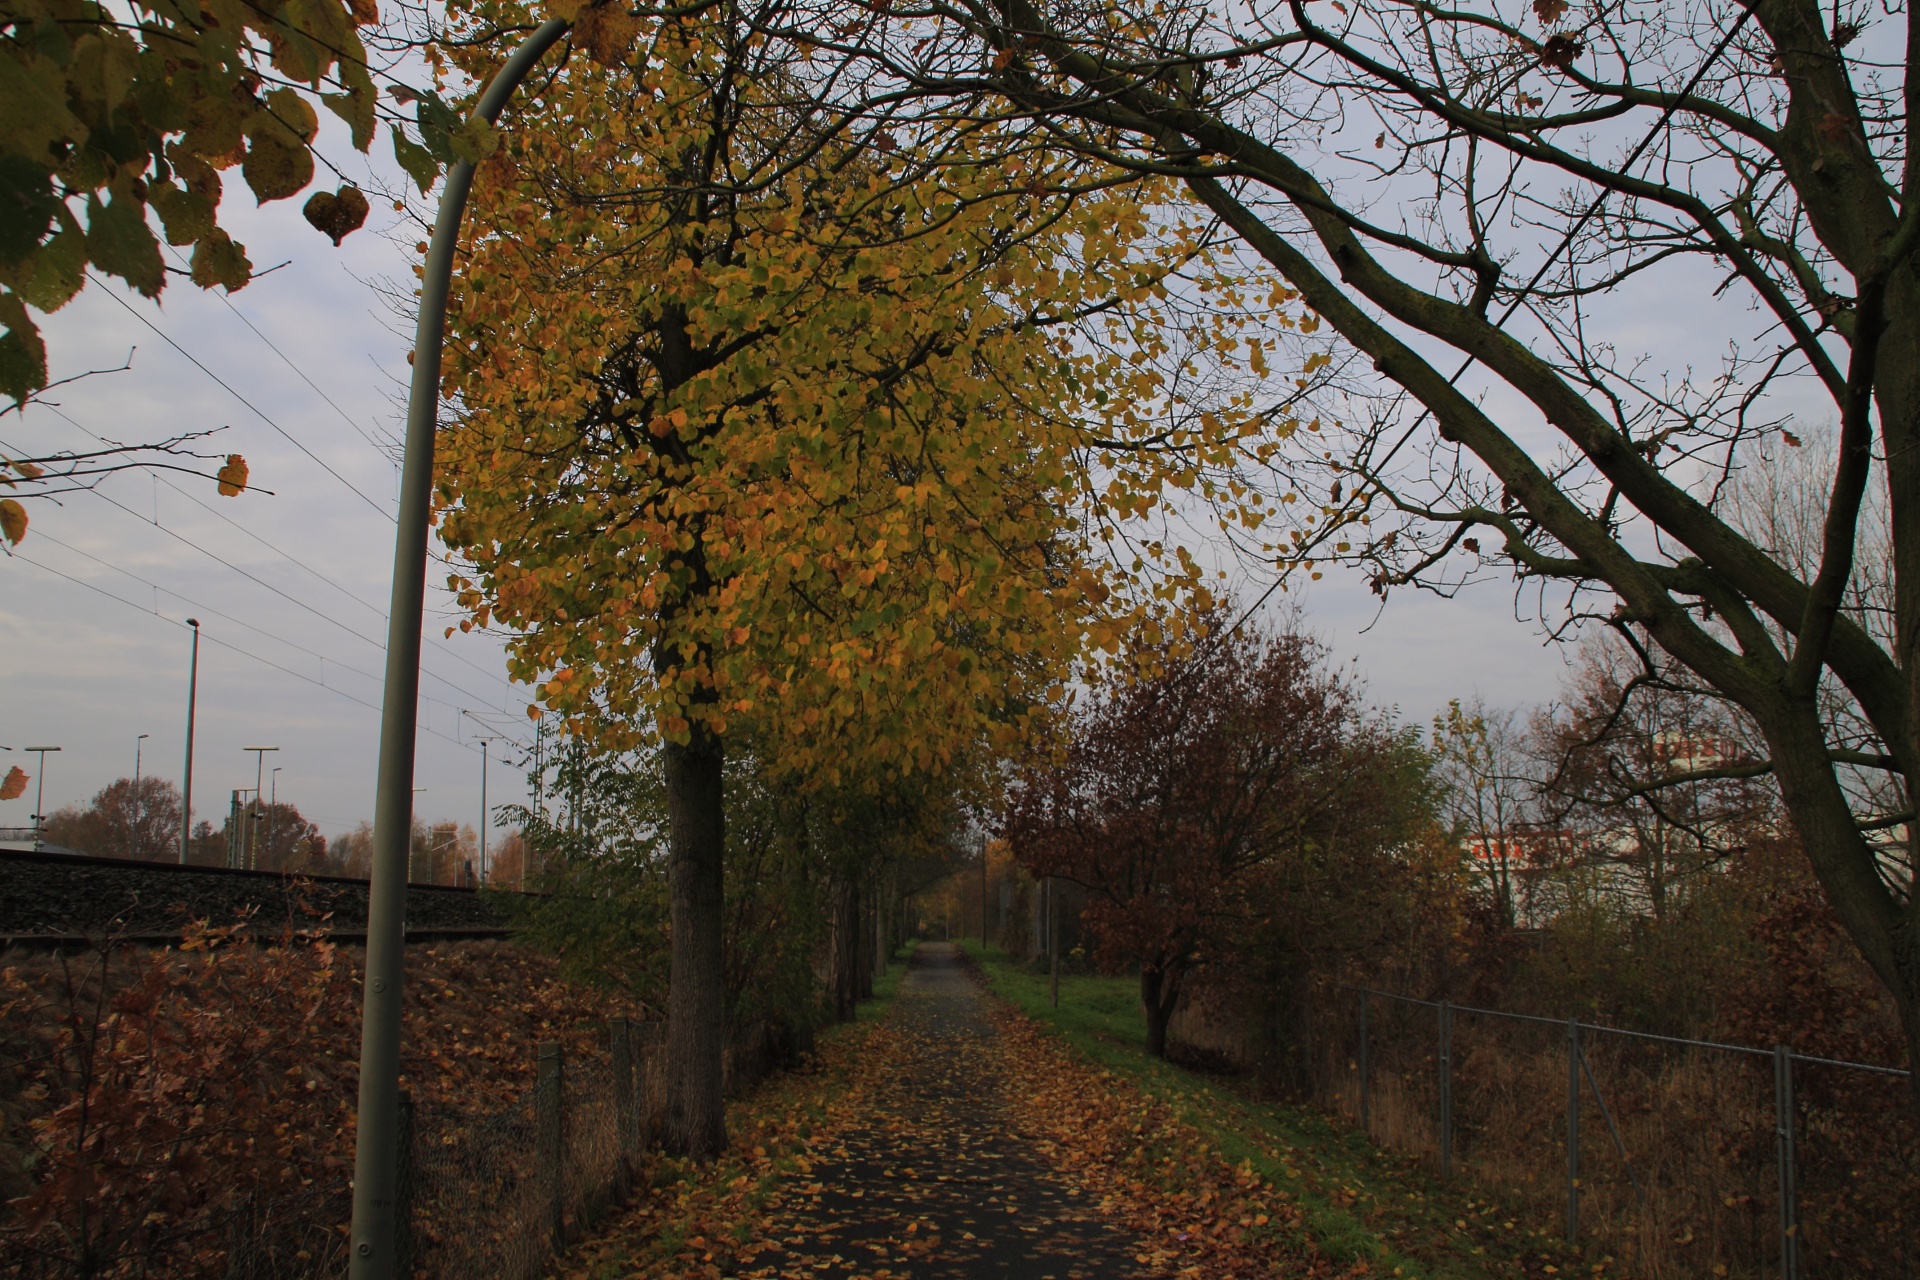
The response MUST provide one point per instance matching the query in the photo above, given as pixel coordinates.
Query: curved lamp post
(375, 1160)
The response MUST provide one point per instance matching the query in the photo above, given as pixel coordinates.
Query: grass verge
(1374, 1210)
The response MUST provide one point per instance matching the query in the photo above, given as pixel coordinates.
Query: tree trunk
(696, 999)
(845, 956)
(1159, 992)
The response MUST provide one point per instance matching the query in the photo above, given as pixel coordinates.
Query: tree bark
(1159, 992)
(696, 1001)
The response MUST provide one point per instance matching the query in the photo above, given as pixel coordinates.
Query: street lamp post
(273, 803)
(253, 828)
(484, 744)
(133, 842)
(40, 794)
(376, 1154)
(186, 782)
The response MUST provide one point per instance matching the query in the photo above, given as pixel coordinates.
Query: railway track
(65, 901)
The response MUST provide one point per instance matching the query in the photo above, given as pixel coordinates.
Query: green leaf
(275, 168)
(33, 102)
(476, 140)
(356, 105)
(27, 206)
(438, 123)
(217, 260)
(121, 243)
(186, 215)
(23, 356)
(416, 160)
(59, 269)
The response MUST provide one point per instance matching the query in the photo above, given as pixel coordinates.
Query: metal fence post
(645, 1051)
(1573, 1129)
(549, 1127)
(1784, 1159)
(1366, 1115)
(403, 1186)
(1446, 1089)
(625, 1102)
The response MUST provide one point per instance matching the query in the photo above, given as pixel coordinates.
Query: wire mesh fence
(483, 1197)
(1684, 1157)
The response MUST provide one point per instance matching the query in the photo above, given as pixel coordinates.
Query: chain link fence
(1683, 1157)
(490, 1197)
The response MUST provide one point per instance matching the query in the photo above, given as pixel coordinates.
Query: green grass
(1359, 1201)
(885, 985)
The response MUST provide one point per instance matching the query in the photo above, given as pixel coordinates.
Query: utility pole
(133, 841)
(40, 795)
(186, 783)
(270, 806)
(253, 828)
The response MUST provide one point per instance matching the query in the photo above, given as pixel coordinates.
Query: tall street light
(253, 828)
(484, 744)
(40, 794)
(376, 1152)
(186, 783)
(133, 843)
(272, 804)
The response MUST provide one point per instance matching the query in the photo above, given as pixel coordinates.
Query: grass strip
(1377, 1211)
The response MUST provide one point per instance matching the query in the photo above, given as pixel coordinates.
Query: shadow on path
(933, 1184)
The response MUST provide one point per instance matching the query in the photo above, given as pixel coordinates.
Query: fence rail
(1580, 1070)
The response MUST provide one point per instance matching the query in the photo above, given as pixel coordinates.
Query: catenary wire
(289, 557)
(255, 409)
(211, 639)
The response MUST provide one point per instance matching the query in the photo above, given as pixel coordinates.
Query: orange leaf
(233, 476)
(13, 520)
(14, 784)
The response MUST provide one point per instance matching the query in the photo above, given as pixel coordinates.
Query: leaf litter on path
(950, 1141)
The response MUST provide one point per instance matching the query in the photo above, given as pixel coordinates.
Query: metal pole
(186, 781)
(1573, 1130)
(983, 894)
(259, 794)
(40, 795)
(1366, 1114)
(1053, 943)
(273, 803)
(375, 1152)
(484, 742)
(1446, 1089)
(1784, 1158)
(549, 1095)
(133, 842)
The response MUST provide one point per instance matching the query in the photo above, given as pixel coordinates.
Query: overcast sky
(302, 370)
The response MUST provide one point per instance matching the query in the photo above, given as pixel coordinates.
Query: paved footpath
(935, 1186)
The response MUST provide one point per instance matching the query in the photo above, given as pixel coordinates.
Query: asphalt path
(934, 1183)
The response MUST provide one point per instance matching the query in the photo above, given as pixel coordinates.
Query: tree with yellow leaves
(766, 427)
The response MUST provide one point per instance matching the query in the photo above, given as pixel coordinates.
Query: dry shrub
(190, 1111)
(1696, 1190)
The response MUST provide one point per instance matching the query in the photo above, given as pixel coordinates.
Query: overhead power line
(228, 645)
(292, 559)
(251, 406)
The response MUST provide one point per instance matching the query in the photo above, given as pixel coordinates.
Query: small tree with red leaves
(1199, 766)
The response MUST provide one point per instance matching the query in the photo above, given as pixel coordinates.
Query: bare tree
(1550, 165)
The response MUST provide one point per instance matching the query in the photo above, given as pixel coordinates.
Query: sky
(301, 373)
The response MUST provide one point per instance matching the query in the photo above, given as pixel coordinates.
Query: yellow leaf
(13, 520)
(233, 476)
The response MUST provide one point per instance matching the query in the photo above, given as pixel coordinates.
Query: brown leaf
(1549, 11)
(14, 785)
(1561, 50)
(13, 521)
(337, 214)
